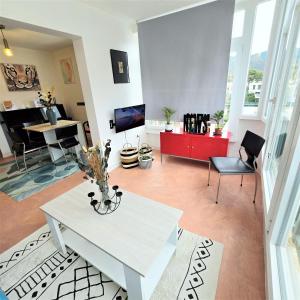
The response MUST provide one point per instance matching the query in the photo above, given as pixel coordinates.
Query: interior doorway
(52, 56)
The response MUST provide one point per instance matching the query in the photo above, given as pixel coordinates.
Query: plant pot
(168, 127)
(218, 131)
(145, 161)
(51, 116)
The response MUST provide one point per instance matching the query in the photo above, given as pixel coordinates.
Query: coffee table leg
(174, 236)
(133, 284)
(56, 234)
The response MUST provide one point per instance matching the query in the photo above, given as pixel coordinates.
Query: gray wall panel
(184, 59)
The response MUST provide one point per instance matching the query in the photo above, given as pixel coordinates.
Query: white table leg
(133, 284)
(174, 236)
(56, 234)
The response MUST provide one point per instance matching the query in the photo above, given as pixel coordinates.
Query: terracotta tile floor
(235, 221)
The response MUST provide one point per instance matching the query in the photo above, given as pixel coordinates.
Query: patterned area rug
(34, 160)
(41, 173)
(34, 269)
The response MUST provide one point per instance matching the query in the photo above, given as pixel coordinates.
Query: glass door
(283, 117)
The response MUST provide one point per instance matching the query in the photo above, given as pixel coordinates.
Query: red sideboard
(193, 146)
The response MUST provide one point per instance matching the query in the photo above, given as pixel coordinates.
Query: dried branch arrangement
(97, 160)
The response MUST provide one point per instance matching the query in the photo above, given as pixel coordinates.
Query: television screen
(129, 117)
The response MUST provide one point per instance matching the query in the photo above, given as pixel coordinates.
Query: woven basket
(145, 150)
(129, 156)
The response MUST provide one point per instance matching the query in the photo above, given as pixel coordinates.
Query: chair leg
(255, 192)
(61, 148)
(242, 180)
(24, 158)
(15, 156)
(208, 173)
(218, 188)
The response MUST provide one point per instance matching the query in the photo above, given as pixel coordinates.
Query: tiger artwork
(20, 77)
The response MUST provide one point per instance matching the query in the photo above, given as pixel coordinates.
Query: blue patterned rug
(42, 173)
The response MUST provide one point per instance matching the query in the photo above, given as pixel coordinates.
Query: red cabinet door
(219, 147)
(200, 147)
(203, 147)
(175, 144)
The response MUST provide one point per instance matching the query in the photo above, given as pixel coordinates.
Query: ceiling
(24, 38)
(133, 9)
(142, 9)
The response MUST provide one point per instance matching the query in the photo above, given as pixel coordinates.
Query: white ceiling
(24, 38)
(133, 9)
(142, 9)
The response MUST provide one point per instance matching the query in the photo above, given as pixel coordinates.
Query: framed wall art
(20, 77)
(67, 70)
(119, 63)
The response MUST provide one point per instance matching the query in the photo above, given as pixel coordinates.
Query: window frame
(280, 90)
(283, 205)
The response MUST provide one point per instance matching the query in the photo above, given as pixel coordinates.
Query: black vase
(51, 116)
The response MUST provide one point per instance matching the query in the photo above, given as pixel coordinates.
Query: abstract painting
(119, 63)
(67, 70)
(20, 77)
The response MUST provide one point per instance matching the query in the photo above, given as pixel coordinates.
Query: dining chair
(22, 146)
(66, 139)
(252, 145)
(34, 136)
(87, 132)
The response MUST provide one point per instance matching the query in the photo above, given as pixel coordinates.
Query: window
(293, 250)
(238, 24)
(258, 55)
(229, 88)
(287, 101)
(281, 166)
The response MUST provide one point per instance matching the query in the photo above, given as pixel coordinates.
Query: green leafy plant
(218, 116)
(145, 157)
(168, 113)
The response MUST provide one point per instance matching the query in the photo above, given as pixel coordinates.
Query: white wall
(43, 61)
(71, 93)
(94, 34)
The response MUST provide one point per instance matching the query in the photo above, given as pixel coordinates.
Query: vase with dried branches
(96, 163)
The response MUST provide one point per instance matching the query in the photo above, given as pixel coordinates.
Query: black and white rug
(34, 269)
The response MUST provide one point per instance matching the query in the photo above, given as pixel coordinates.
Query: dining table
(48, 130)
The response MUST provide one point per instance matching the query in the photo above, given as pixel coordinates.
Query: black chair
(87, 131)
(66, 139)
(34, 136)
(22, 146)
(252, 144)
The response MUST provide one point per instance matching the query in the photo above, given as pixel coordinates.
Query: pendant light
(6, 50)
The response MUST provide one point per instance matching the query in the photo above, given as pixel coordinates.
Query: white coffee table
(132, 246)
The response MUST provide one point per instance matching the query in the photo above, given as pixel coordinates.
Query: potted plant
(145, 161)
(48, 101)
(218, 116)
(168, 113)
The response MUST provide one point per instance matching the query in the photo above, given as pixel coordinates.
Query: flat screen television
(129, 117)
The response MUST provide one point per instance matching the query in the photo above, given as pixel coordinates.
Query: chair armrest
(255, 163)
(240, 153)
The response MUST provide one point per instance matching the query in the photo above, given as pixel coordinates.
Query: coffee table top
(134, 234)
